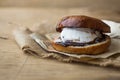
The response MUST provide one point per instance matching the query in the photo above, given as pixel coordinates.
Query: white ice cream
(81, 35)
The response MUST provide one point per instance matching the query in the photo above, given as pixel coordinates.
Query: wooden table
(14, 65)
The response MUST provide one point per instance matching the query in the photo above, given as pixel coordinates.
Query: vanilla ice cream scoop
(81, 35)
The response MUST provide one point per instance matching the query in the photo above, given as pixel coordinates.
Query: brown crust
(90, 49)
(81, 21)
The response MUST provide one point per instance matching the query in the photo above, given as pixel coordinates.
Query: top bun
(81, 21)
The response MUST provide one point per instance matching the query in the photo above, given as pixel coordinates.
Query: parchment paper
(110, 58)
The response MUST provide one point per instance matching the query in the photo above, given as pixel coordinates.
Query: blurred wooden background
(93, 4)
(14, 65)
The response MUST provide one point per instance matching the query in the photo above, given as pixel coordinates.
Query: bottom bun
(96, 48)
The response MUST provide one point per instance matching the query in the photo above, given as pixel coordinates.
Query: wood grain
(14, 65)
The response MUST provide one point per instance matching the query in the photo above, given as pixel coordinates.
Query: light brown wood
(14, 65)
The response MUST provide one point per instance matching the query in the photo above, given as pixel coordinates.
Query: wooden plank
(14, 65)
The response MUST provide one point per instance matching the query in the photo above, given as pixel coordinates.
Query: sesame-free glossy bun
(80, 21)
